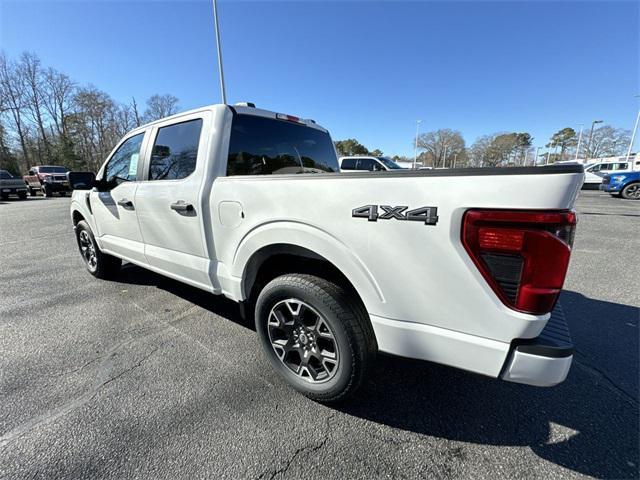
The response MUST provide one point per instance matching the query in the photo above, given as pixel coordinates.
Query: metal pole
(219, 46)
(535, 159)
(579, 141)
(633, 135)
(444, 157)
(590, 137)
(415, 151)
(526, 155)
(455, 157)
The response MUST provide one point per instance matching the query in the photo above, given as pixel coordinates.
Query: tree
(59, 91)
(31, 75)
(12, 94)
(500, 149)
(376, 153)
(607, 141)
(160, 106)
(563, 138)
(350, 147)
(441, 146)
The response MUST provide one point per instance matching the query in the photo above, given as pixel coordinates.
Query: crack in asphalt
(299, 451)
(210, 352)
(608, 380)
(102, 380)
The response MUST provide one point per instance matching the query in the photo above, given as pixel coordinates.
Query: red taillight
(523, 255)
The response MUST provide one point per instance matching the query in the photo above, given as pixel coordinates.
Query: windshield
(265, 146)
(4, 175)
(52, 170)
(390, 164)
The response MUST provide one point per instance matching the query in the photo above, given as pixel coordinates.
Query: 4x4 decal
(428, 215)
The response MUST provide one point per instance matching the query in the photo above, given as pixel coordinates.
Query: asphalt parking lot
(143, 377)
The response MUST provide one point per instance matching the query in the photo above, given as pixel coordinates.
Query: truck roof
(241, 109)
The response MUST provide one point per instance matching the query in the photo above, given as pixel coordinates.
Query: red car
(49, 179)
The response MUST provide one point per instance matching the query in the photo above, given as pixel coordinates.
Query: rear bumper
(543, 361)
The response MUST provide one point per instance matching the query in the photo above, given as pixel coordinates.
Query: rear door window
(175, 151)
(266, 146)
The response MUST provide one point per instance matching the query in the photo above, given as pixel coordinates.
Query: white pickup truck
(460, 267)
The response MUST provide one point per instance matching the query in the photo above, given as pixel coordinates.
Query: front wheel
(22, 195)
(631, 191)
(315, 336)
(47, 192)
(99, 264)
(63, 193)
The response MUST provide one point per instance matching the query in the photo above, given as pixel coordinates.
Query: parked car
(48, 179)
(595, 172)
(625, 185)
(334, 268)
(367, 163)
(10, 185)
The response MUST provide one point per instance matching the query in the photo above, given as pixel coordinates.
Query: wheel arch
(301, 248)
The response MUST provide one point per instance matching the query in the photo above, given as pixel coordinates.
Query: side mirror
(81, 180)
(31, 172)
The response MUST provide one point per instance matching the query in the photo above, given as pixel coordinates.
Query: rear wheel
(315, 336)
(631, 191)
(99, 264)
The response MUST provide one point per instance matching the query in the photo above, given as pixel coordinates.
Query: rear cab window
(268, 146)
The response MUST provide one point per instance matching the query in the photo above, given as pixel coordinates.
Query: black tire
(46, 191)
(101, 265)
(342, 327)
(4, 196)
(63, 193)
(22, 195)
(32, 192)
(631, 191)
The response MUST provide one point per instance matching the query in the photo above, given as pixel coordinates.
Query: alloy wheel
(303, 340)
(88, 250)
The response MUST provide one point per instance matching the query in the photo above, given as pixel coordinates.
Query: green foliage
(349, 147)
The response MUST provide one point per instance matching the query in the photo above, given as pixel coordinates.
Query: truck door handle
(123, 202)
(181, 206)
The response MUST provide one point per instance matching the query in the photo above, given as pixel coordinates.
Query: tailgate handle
(181, 206)
(123, 202)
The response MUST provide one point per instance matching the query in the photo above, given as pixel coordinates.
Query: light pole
(219, 46)
(526, 155)
(633, 135)
(444, 157)
(415, 151)
(455, 158)
(579, 141)
(586, 156)
(535, 159)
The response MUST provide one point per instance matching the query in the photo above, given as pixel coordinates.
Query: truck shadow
(588, 424)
